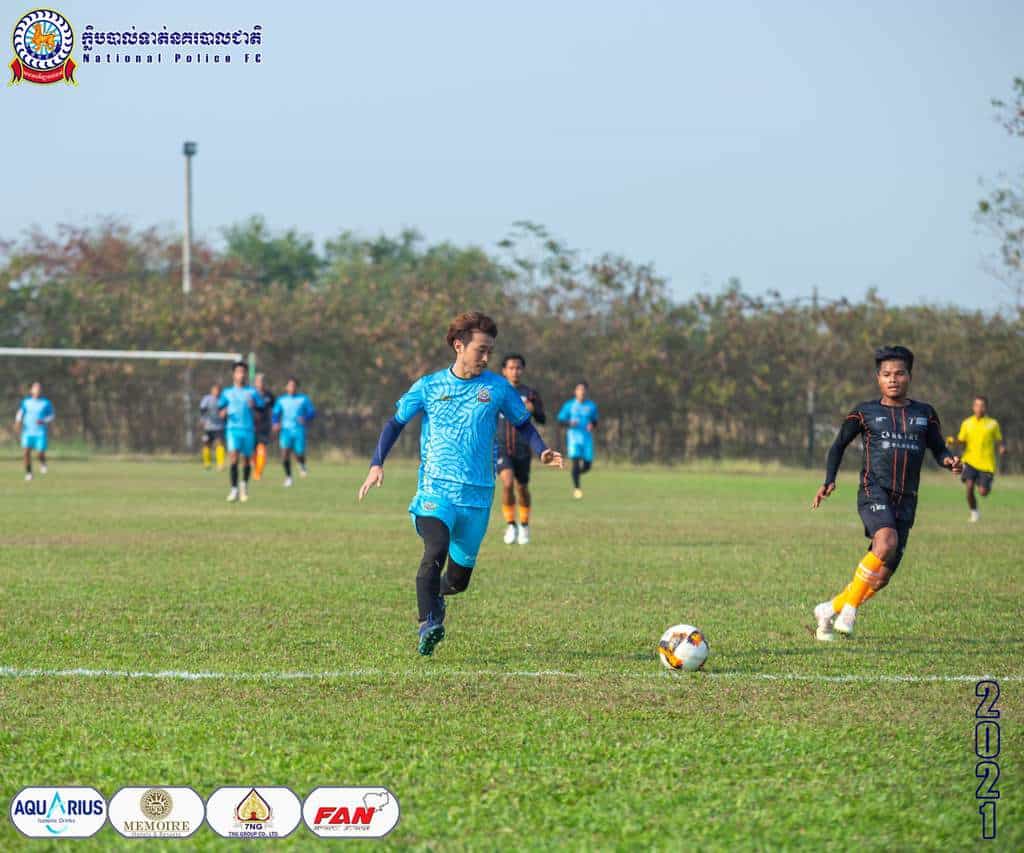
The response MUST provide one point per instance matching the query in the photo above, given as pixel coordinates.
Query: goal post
(151, 355)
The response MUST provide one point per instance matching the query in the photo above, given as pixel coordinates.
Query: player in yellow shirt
(981, 438)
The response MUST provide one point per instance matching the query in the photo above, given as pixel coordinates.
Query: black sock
(234, 475)
(28, 467)
(576, 473)
(302, 462)
(586, 467)
(288, 467)
(456, 578)
(246, 471)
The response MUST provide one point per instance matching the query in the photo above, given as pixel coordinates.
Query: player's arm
(18, 418)
(222, 405)
(593, 422)
(934, 442)
(413, 402)
(850, 429)
(528, 433)
(275, 416)
(539, 415)
(308, 411)
(1000, 444)
(48, 413)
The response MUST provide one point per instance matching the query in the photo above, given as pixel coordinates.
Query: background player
(451, 508)
(580, 415)
(292, 414)
(237, 404)
(895, 431)
(262, 423)
(512, 456)
(35, 414)
(981, 437)
(213, 427)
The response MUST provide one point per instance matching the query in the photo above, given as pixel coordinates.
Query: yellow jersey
(980, 437)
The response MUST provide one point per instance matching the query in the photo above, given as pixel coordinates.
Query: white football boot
(42, 469)
(287, 482)
(510, 533)
(28, 477)
(243, 493)
(844, 621)
(578, 494)
(975, 516)
(233, 495)
(303, 472)
(825, 616)
(524, 535)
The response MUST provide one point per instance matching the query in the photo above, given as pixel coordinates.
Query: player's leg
(508, 499)
(880, 526)
(247, 450)
(467, 535)
(968, 478)
(299, 447)
(41, 456)
(521, 471)
(261, 458)
(577, 468)
(286, 456)
(985, 479)
(218, 440)
(27, 458)
(234, 442)
(436, 537)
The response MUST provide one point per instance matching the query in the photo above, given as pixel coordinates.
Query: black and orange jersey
(894, 441)
(506, 438)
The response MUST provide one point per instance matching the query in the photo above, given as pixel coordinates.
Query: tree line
(714, 375)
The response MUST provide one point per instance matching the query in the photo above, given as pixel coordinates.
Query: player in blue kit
(580, 416)
(35, 414)
(292, 414)
(451, 508)
(237, 405)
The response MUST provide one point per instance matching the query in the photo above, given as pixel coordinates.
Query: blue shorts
(294, 440)
(34, 442)
(241, 441)
(467, 525)
(580, 447)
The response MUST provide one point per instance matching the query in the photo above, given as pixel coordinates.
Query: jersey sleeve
(309, 409)
(565, 413)
(48, 413)
(412, 402)
(512, 406)
(962, 435)
(257, 399)
(275, 414)
(18, 418)
(851, 428)
(933, 437)
(222, 400)
(594, 416)
(539, 415)
(997, 433)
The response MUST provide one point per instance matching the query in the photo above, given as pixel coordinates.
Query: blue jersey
(36, 414)
(293, 411)
(460, 417)
(578, 416)
(236, 401)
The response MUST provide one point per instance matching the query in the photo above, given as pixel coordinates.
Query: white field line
(430, 672)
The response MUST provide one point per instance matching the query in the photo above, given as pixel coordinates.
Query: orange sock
(509, 511)
(261, 459)
(860, 589)
(524, 514)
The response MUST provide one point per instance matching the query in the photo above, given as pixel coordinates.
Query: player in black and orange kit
(895, 431)
(512, 455)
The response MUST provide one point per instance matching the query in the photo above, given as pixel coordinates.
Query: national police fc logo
(43, 40)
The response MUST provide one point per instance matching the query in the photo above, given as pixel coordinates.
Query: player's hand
(954, 464)
(529, 405)
(374, 478)
(823, 493)
(276, 428)
(552, 458)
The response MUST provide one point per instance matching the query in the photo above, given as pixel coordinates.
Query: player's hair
(238, 364)
(891, 353)
(292, 379)
(983, 399)
(513, 356)
(463, 326)
(584, 383)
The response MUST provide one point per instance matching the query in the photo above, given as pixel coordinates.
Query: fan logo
(351, 812)
(43, 41)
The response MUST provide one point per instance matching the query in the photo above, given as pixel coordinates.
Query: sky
(791, 145)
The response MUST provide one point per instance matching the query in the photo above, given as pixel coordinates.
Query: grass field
(544, 720)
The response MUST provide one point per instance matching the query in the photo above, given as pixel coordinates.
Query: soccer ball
(683, 647)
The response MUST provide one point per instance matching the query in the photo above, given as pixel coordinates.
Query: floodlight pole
(188, 149)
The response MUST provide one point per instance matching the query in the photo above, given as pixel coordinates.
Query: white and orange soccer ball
(683, 647)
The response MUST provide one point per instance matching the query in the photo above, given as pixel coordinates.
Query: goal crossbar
(159, 355)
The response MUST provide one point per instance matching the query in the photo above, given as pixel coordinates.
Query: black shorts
(981, 478)
(879, 511)
(213, 436)
(263, 438)
(518, 465)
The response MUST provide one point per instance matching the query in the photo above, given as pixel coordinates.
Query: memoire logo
(66, 812)
(253, 812)
(156, 812)
(351, 812)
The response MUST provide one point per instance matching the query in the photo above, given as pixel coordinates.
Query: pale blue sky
(834, 144)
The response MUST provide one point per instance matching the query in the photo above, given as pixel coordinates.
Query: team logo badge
(484, 396)
(43, 40)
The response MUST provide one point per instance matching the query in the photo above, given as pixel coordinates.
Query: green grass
(133, 566)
